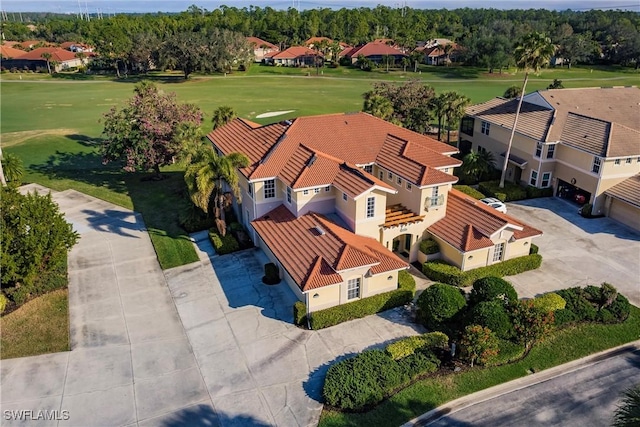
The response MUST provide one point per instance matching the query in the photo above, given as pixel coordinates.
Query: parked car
(495, 203)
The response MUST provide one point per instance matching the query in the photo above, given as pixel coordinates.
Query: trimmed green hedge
(371, 305)
(440, 271)
(366, 379)
(223, 244)
(408, 346)
(429, 247)
(533, 249)
(299, 313)
(590, 304)
(469, 191)
(534, 192)
(509, 193)
(490, 289)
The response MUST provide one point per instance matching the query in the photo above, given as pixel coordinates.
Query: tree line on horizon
(487, 37)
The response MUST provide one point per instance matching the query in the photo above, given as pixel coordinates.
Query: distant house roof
(28, 44)
(314, 250)
(602, 121)
(10, 53)
(9, 43)
(324, 150)
(258, 43)
(295, 52)
(316, 40)
(627, 190)
(373, 49)
(57, 54)
(69, 45)
(469, 224)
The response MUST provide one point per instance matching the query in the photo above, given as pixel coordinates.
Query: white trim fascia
(356, 268)
(501, 229)
(375, 187)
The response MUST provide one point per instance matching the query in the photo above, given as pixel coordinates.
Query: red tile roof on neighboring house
(468, 224)
(295, 52)
(323, 150)
(57, 54)
(8, 52)
(314, 250)
(374, 49)
(316, 40)
(28, 44)
(258, 43)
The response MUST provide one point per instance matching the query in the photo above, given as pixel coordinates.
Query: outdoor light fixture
(470, 257)
(526, 243)
(316, 295)
(390, 278)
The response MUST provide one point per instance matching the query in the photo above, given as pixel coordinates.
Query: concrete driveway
(205, 344)
(577, 251)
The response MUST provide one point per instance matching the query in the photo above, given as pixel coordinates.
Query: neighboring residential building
(580, 142)
(295, 56)
(261, 48)
(331, 198)
(61, 59)
(76, 47)
(436, 55)
(622, 202)
(375, 51)
(7, 52)
(30, 44)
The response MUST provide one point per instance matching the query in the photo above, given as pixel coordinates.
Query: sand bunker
(273, 114)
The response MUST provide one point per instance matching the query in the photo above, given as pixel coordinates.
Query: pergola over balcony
(398, 215)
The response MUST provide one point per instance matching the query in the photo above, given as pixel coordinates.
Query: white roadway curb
(518, 384)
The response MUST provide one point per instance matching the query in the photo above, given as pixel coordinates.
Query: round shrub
(362, 380)
(579, 304)
(440, 303)
(549, 302)
(493, 315)
(619, 310)
(492, 288)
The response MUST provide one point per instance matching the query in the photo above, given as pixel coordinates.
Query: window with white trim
(498, 252)
(638, 160)
(616, 162)
(551, 151)
(368, 168)
(353, 288)
(250, 189)
(327, 188)
(305, 192)
(485, 127)
(270, 189)
(381, 175)
(595, 167)
(534, 178)
(538, 149)
(628, 160)
(399, 181)
(289, 194)
(344, 196)
(389, 176)
(408, 186)
(316, 191)
(546, 180)
(435, 197)
(371, 207)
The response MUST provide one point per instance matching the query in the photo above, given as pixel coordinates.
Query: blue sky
(131, 6)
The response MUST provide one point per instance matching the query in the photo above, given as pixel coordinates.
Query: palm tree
(416, 57)
(377, 106)
(475, 165)
(205, 179)
(12, 168)
(438, 107)
(628, 413)
(47, 57)
(534, 52)
(406, 61)
(455, 106)
(447, 49)
(223, 115)
(385, 59)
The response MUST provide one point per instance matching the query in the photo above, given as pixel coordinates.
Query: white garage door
(625, 213)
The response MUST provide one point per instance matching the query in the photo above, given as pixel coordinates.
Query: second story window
(270, 189)
(436, 199)
(316, 191)
(551, 151)
(289, 194)
(344, 196)
(390, 176)
(368, 168)
(305, 192)
(538, 149)
(408, 186)
(327, 188)
(595, 167)
(399, 181)
(628, 160)
(466, 126)
(381, 175)
(616, 162)
(250, 189)
(371, 207)
(484, 129)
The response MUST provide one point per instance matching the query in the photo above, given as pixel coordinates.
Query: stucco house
(341, 202)
(295, 56)
(580, 142)
(375, 51)
(61, 59)
(261, 48)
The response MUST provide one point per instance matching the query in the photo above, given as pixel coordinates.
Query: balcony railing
(432, 202)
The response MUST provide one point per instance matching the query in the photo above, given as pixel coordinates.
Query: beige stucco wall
(283, 273)
(327, 296)
(476, 259)
(346, 209)
(611, 170)
(380, 283)
(624, 213)
(448, 252)
(370, 227)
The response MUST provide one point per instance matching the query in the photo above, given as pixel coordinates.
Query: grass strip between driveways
(39, 326)
(560, 347)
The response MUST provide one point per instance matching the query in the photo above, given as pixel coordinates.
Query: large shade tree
(205, 179)
(150, 130)
(534, 52)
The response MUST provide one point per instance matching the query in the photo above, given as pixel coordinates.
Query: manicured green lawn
(53, 124)
(39, 326)
(560, 347)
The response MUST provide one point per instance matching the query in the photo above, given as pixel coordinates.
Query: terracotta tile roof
(28, 44)
(374, 49)
(314, 40)
(57, 54)
(314, 250)
(258, 43)
(323, 150)
(8, 52)
(469, 223)
(9, 43)
(534, 119)
(295, 52)
(627, 190)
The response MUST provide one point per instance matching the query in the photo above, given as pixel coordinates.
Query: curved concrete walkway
(203, 344)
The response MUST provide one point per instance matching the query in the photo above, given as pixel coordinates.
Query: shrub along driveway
(577, 251)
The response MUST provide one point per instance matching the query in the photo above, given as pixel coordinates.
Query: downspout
(306, 297)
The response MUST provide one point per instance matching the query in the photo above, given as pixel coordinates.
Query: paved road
(577, 251)
(582, 398)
